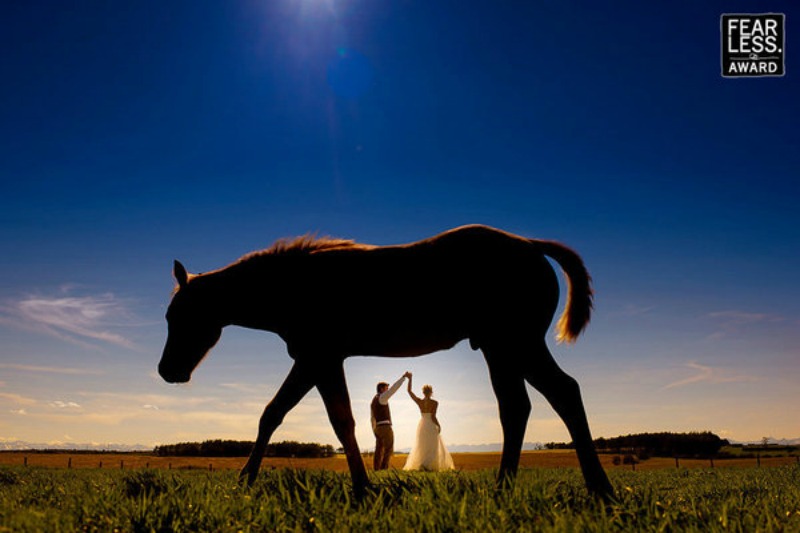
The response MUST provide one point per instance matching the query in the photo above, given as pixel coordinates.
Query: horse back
(420, 297)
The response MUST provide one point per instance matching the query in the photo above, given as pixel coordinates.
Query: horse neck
(218, 293)
(238, 298)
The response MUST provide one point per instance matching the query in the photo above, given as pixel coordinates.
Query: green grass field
(543, 499)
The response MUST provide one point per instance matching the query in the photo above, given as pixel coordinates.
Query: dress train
(429, 452)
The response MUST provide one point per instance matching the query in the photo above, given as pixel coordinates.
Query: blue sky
(133, 134)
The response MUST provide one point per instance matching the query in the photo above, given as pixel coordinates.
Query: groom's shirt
(379, 408)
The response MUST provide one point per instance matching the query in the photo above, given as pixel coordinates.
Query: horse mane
(293, 247)
(305, 245)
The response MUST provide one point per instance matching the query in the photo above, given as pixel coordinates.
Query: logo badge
(753, 45)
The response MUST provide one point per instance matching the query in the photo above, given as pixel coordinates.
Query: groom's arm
(384, 398)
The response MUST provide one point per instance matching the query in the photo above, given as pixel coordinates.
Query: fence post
(210, 467)
(25, 461)
(121, 464)
(677, 464)
(101, 464)
(69, 462)
(712, 462)
(758, 460)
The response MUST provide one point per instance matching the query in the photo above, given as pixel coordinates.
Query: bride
(428, 452)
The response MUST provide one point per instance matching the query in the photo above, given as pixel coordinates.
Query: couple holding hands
(428, 452)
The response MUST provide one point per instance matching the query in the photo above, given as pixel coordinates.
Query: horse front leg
(332, 387)
(294, 388)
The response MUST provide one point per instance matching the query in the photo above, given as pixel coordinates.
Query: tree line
(239, 448)
(664, 444)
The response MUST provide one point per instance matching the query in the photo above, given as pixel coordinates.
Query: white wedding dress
(428, 452)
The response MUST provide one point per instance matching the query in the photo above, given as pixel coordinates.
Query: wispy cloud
(708, 375)
(631, 310)
(72, 318)
(122, 401)
(17, 398)
(64, 405)
(733, 322)
(245, 388)
(52, 369)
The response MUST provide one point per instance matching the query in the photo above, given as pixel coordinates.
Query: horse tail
(578, 309)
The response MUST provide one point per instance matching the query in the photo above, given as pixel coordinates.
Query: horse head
(192, 328)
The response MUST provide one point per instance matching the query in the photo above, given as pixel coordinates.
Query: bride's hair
(427, 390)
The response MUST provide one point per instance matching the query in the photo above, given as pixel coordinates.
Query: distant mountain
(770, 440)
(94, 447)
(489, 447)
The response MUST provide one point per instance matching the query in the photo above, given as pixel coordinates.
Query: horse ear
(181, 276)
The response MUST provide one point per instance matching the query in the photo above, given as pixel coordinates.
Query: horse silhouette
(330, 299)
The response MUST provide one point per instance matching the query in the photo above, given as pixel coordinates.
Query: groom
(382, 422)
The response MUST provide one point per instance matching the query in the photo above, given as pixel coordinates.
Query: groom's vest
(380, 411)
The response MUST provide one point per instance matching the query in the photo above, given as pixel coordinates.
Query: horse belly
(414, 349)
(402, 339)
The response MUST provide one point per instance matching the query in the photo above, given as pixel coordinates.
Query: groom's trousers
(384, 446)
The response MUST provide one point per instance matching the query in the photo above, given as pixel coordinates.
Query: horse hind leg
(514, 406)
(564, 395)
(294, 388)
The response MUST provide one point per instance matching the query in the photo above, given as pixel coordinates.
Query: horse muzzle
(171, 375)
